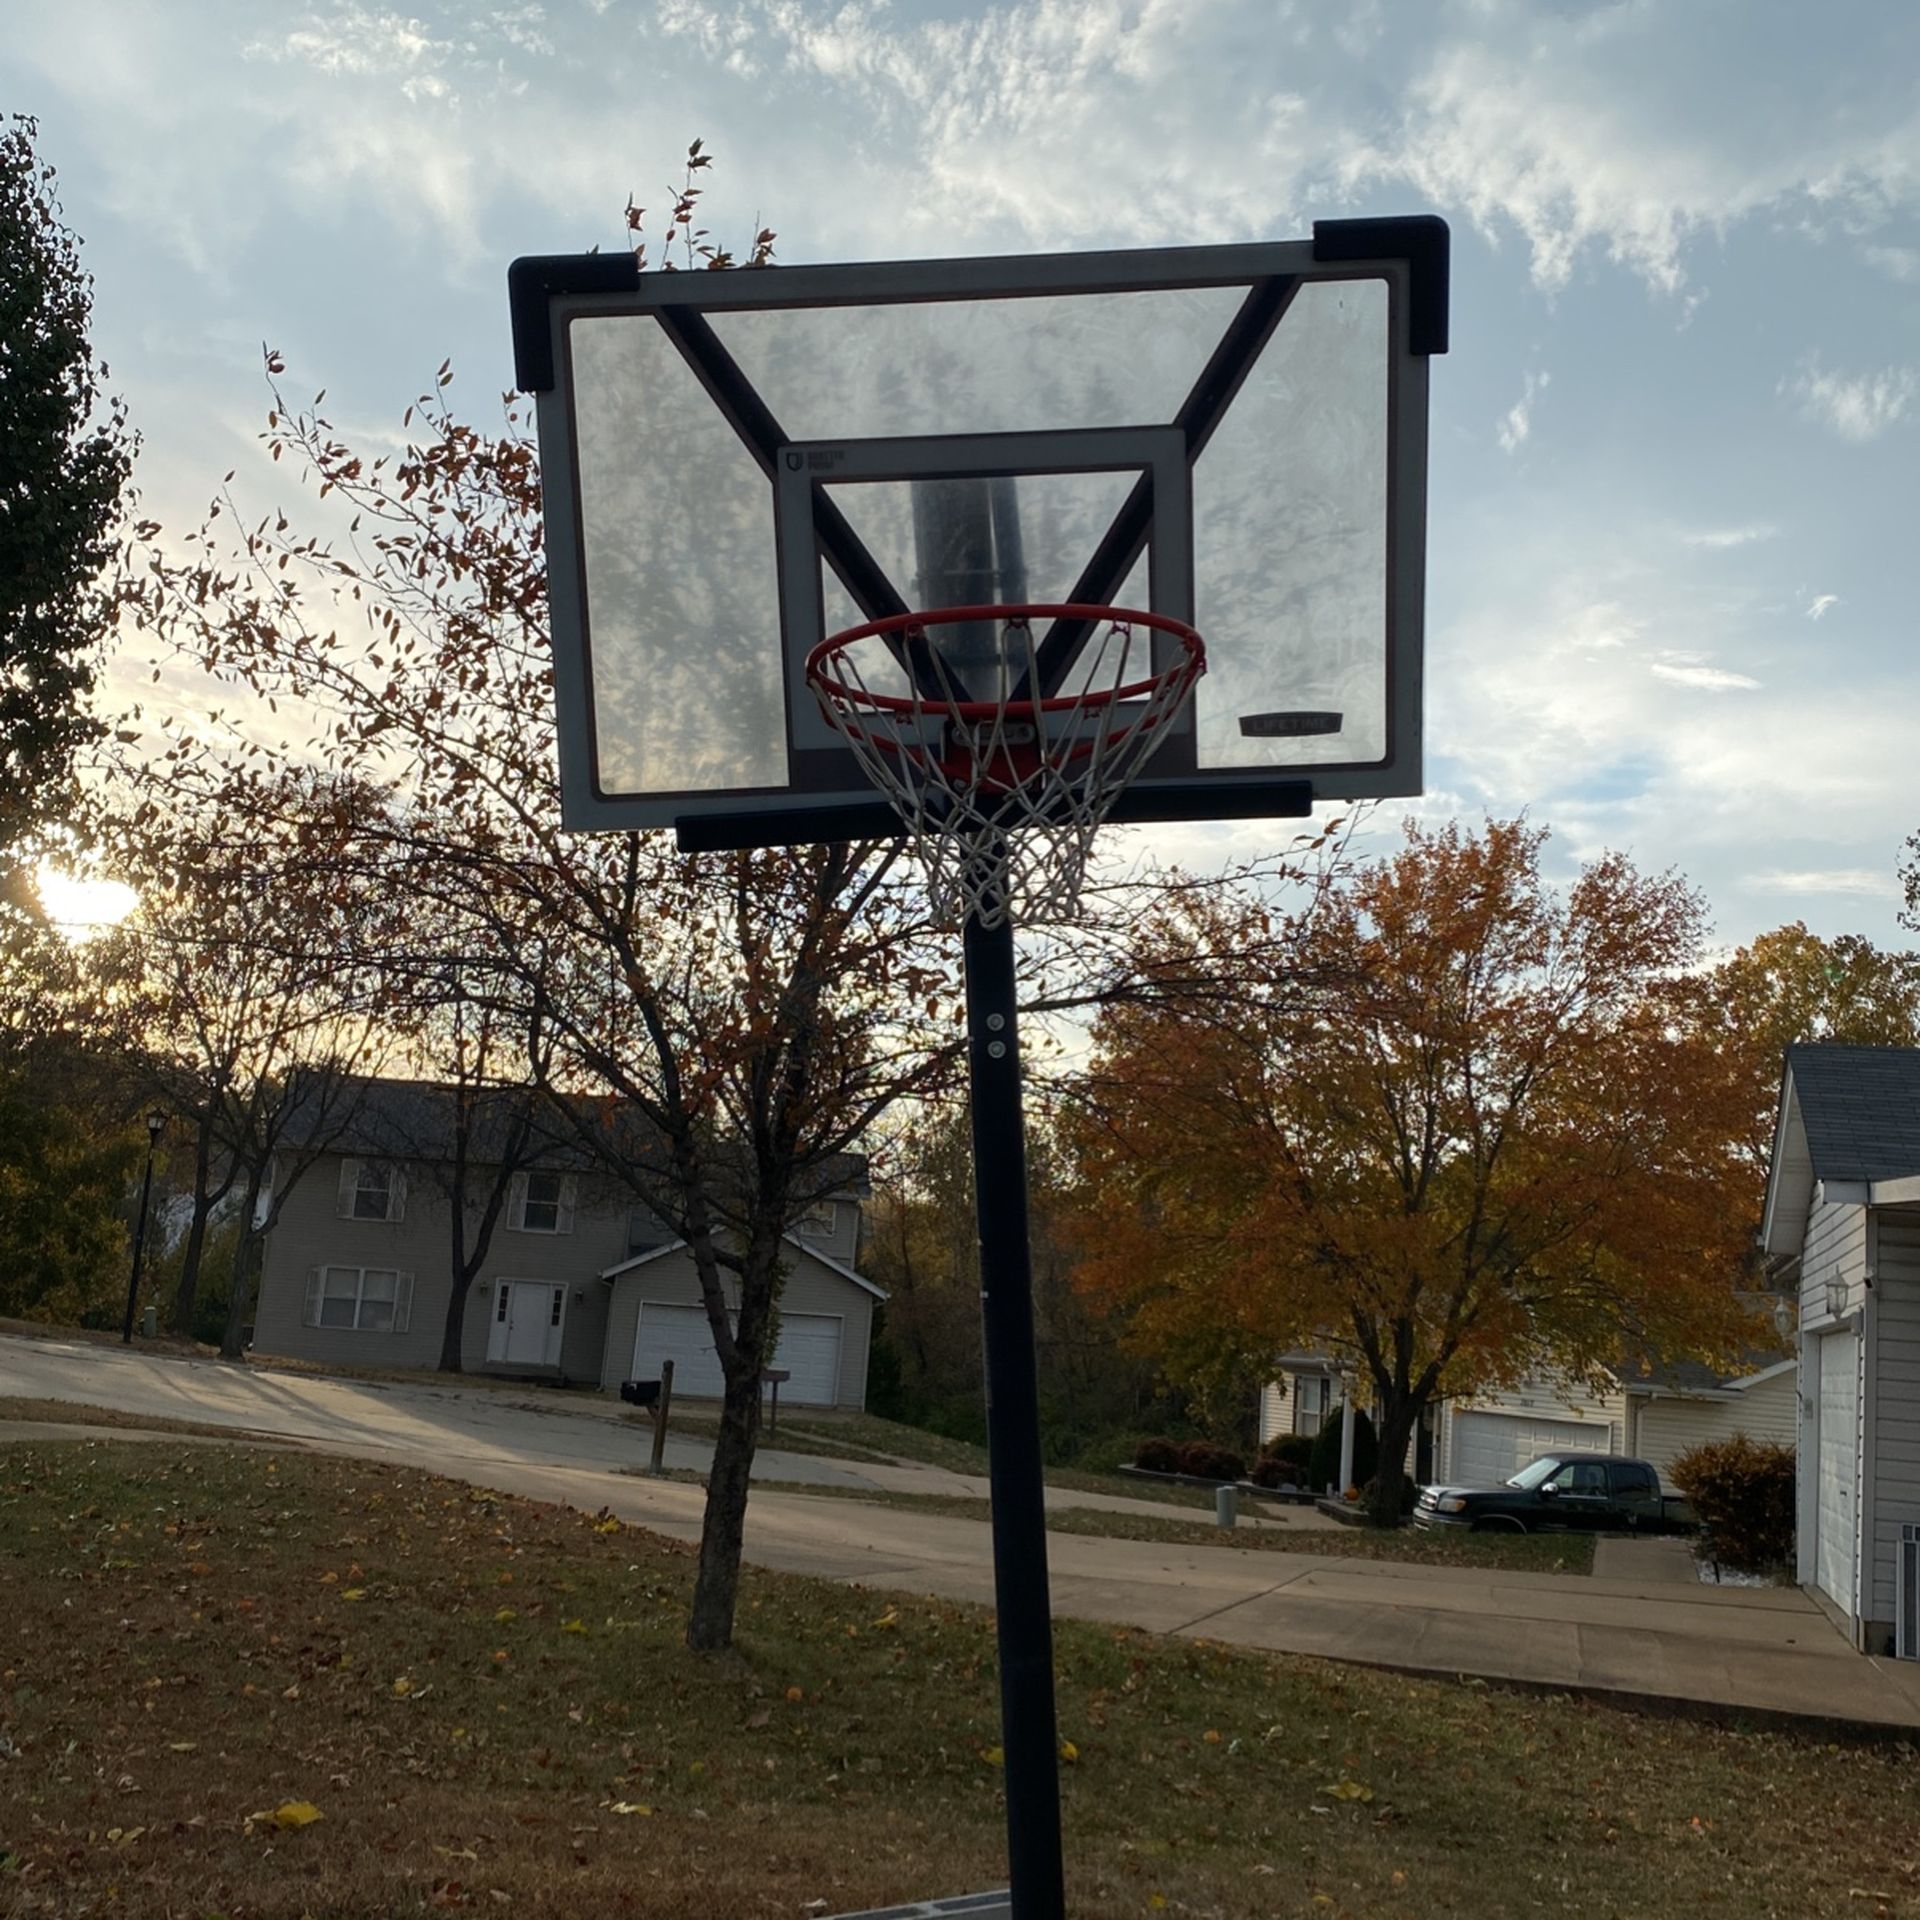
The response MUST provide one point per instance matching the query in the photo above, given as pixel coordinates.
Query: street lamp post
(155, 1122)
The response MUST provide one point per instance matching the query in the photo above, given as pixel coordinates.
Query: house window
(1313, 1398)
(817, 1223)
(544, 1203)
(363, 1299)
(372, 1190)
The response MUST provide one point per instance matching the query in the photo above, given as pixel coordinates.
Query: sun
(82, 909)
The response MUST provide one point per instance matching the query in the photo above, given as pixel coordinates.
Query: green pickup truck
(1560, 1492)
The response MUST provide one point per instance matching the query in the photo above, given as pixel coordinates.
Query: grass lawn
(488, 1707)
(1517, 1552)
(865, 1436)
(74, 1413)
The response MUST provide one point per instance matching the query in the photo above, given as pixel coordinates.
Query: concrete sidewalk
(1630, 1634)
(450, 1421)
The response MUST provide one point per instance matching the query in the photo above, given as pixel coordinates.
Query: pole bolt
(996, 1049)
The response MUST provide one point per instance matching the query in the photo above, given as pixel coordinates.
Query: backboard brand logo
(825, 459)
(795, 461)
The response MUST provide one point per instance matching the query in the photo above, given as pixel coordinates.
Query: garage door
(809, 1349)
(1839, 1442)
(1489, 1448)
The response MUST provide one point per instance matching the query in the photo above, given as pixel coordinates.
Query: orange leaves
(1420, 1121)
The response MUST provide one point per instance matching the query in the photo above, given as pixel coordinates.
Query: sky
(1673, 493)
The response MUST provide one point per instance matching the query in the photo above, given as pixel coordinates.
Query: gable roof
(417, 1120)
(832, 1265)
(1861, 1109)
(1849, 1116)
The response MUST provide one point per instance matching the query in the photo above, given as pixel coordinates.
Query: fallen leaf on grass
(1069, 1752)
(181, 1746)
(631, 1806)
(573, 1626)
(504, 1615)
(993, 1756)
(289, 1815)
(1349, 1790)
(353, 1593)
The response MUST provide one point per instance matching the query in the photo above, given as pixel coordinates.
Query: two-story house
(579, 1281)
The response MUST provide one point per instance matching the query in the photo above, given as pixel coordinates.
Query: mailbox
(640, 1393)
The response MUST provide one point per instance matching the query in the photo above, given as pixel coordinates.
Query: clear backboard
(738, 464)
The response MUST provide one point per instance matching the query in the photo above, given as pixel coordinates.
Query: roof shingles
(1860, 1107)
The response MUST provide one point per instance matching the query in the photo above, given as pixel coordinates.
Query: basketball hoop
(1002, 791)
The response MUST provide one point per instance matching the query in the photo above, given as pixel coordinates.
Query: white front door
(1839, 1427)
(528, 1318)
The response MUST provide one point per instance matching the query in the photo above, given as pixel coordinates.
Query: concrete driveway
(1638, 1633)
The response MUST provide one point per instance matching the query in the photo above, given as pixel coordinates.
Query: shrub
(1323, 1469)
(1408, 1492)
(1292, 1451)
(1106, 1451)
(1271, 1471)
(1204, 1461)
(1157, 1456)
(1743, 1492)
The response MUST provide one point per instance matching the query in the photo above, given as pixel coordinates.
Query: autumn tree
(1789, 986)
(242, 987)
(1455, 1138)
(65, 457)
(922, 1245)
(723, 1029)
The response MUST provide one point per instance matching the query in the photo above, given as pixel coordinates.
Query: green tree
(68, 1157)
(65, 458)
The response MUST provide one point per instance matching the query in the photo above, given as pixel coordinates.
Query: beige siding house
(1843, 1221)
(579, 1283)
(1481, 1440)
(1655, 1418)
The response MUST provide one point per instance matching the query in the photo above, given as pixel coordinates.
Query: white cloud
(1854, 880)
(1717, 538)
(1517, 423)
(1858, 408)
(1822, 605)
(1688, 673)
(354, 40)
(1897, 263)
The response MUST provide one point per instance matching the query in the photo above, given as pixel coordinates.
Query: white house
(580, 1283)
(1843, 1219)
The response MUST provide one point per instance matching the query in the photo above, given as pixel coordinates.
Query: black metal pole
(139, 1240)
(1029, 1743)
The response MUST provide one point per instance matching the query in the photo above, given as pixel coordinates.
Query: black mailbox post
(656, 1396)
(774, 1377)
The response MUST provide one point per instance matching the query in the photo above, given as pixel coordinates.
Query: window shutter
(564, 1221)
(397, 1201)
(312, 1315)
(349, 1184)
(402, 1301)
(517, 1203)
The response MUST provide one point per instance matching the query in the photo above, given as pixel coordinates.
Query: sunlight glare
(80, 909)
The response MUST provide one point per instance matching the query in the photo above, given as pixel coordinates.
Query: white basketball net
(1002, 794)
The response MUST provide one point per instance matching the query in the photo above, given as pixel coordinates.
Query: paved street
(1634, 1630)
